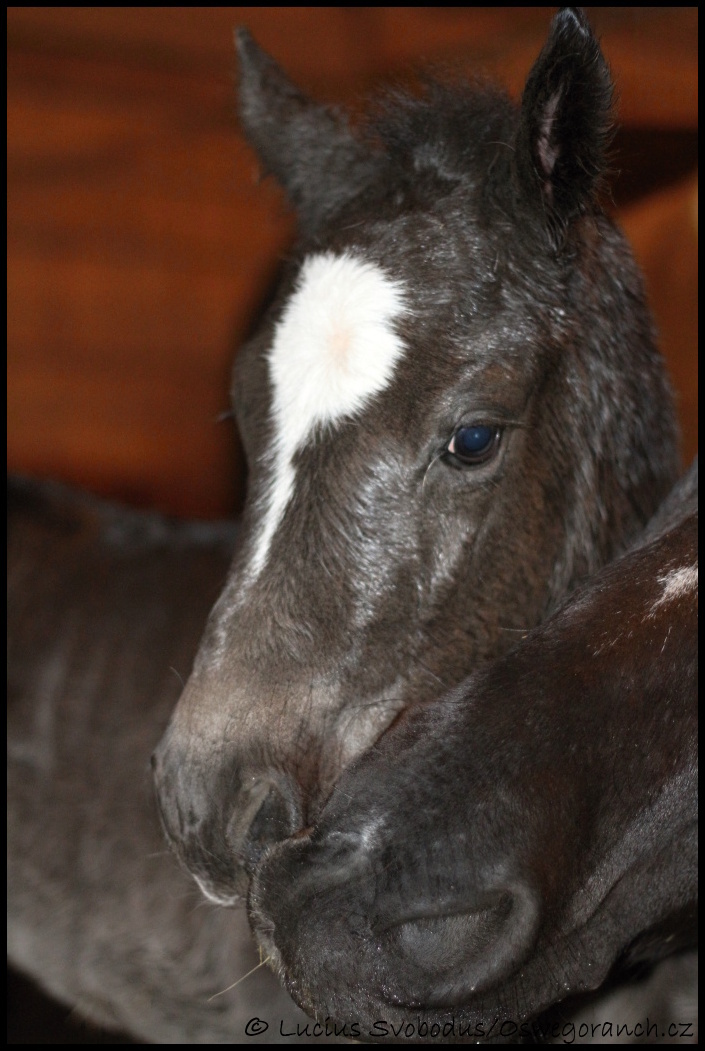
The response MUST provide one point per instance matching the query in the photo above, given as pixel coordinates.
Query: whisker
(178, 676)
(434, 460)
(428, 671)
(252, 971)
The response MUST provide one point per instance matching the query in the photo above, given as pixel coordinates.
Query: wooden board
(140, 245)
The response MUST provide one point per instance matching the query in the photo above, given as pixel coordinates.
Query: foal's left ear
(564, 127)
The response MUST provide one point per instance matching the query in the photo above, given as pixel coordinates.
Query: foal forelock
(334, 348)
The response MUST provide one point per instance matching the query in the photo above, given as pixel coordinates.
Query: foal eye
(473, 445)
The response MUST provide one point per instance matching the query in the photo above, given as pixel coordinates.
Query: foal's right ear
(307, 147)
(565, 122)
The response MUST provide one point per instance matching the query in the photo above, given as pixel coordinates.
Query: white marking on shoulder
(334, 348)
(676, 584)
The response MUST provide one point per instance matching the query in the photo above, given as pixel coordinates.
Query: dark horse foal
(453, 413)
(511, 844)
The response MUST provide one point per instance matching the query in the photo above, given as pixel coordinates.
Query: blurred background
(141, 244)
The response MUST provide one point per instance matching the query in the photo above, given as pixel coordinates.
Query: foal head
(453, 411)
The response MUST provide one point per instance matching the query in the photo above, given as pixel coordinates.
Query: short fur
(395, 573)
(521, 840)
(392, 573)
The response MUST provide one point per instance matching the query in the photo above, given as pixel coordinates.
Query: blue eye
(473, 445)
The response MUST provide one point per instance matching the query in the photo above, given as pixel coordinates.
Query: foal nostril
(266, 813)
(460, 952)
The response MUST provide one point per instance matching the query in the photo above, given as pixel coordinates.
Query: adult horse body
(503, 848)
(105, 605)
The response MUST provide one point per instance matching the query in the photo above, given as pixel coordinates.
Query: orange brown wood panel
(139, 243)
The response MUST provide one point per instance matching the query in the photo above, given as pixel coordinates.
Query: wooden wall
(140, 244)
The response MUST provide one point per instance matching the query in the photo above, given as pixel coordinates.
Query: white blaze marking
(334, 348)
(676, 584)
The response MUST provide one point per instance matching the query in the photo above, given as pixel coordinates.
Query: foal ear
(306, 146)
(564, 126)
